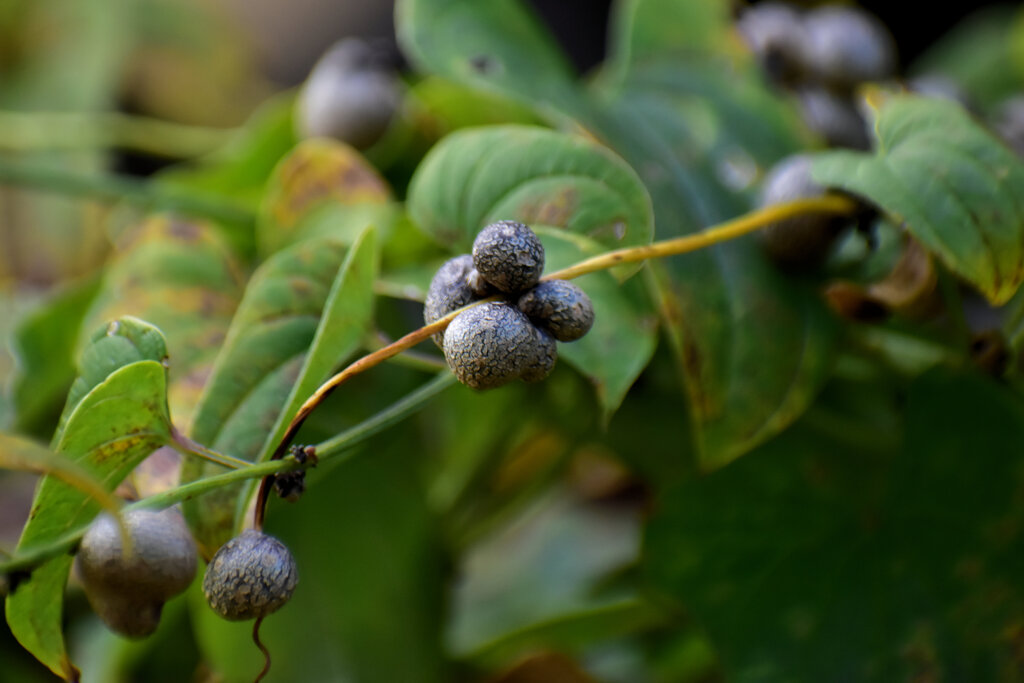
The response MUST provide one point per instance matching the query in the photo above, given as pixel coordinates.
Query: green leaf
(179, 275)
(240, 171)
(652, 29)
(959, 190)
(317, 172)
(346, 319)
(444, 106)
(111, 347)
(481, 175)
(304, 311)
(699, 132)
(542, 574)
(116, 416)
(369, 603)
(45, 343)
(817, 558)
(619, 346)
(457, 39)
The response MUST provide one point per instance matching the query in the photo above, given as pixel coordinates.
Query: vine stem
(723, 232)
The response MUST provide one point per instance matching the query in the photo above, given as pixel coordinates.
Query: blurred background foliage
(523, 535)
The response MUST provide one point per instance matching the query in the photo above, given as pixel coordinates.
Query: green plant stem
(188, 447)
(25, 560)
(41, 131)
(112, 188)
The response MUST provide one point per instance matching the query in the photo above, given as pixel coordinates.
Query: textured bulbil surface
(449, 290)
(250, 576)
(545, 354)
(802, 241)
(128, 591)
(509, 256)
(561, 307)
(490, 345)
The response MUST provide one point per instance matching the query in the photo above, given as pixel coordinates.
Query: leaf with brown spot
(181, 276)
(480, 175)
(317, 172)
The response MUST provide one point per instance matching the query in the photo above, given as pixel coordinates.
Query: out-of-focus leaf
(958, 189)
(315, 173)
(369, 603)
(189, 46)
(45, 343)
(60, 55)
(545, 667)
(116, 416)
(540, 571)
(458, 40)
(653, 29)
(699, 126)
(813, 561)
(240, 171)
(179, 275)
(305, 310)
(443, 106)
(478, 176)
(619, 346)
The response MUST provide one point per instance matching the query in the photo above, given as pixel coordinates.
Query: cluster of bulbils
(514, 337)
(822, 55)
(249, 577)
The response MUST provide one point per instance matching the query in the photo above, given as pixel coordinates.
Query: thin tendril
(263, 649)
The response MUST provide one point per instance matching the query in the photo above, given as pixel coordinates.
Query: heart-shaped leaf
(115, 417)
(534, 175)
(958, 189)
